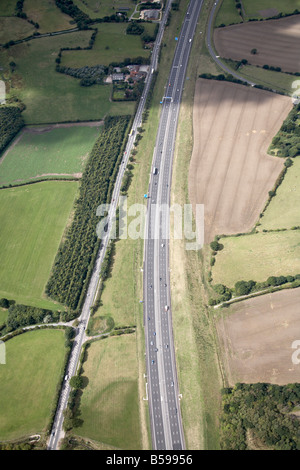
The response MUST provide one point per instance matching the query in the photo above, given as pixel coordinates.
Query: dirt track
(256, 338)
(277, 43)
(230, 171)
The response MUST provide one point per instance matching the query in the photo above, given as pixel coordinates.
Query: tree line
(11, 121)
(77, 254)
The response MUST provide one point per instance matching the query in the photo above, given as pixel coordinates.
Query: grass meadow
(254, 7)
(99, 9)
(112, 44)
(47, 15)
(28, 380)
(110, 402)
(283, 210)
(50, 96)
(228, 13)
(257, 256)
(33, 219)
(279, 80)
(7, 8)
(13, 28)
(56, 151)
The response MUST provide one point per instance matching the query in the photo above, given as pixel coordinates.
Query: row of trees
(242, 287)
(264, 410)
(11, 121)
(68, 7)
(76, 256)
(88, 75)
(23, 315)
(82, 19)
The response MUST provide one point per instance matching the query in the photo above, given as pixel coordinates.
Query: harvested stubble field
(256, 338)
(230, 171)
(277, 42)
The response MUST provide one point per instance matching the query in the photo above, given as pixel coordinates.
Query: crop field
(33, 219)
(112, 44)
(277, 43)
(50, 96)
(283, 210)
(256, 338)
(109, 404)
(257, 256)
(230, 171)
(48, 152)
(28, 382)
(99, 9)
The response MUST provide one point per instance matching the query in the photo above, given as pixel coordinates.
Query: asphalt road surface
(163, 392)
(57, 432)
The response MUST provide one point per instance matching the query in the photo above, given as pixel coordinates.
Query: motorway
(57, 432)
(163, 392)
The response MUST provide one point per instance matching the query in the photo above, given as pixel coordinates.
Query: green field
(257, 256)
(50, 96)
(47, 15)
(33, 219)
(109, 404)
(253, 7)
(279, 80)
(12, 29)
(28, 382)
(283, 210)
(112, 44)
(99, 9)
(57, 151)
(227, 14)
(7, 8)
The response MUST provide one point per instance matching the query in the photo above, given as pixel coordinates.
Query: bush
(76, 382)
(216, 246)
(244, 287)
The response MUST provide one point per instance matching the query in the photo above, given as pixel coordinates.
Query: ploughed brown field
(256, 338)
(277, 42)
(230, 171)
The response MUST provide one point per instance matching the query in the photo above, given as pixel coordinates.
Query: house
(151, 14)
(117, 77)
